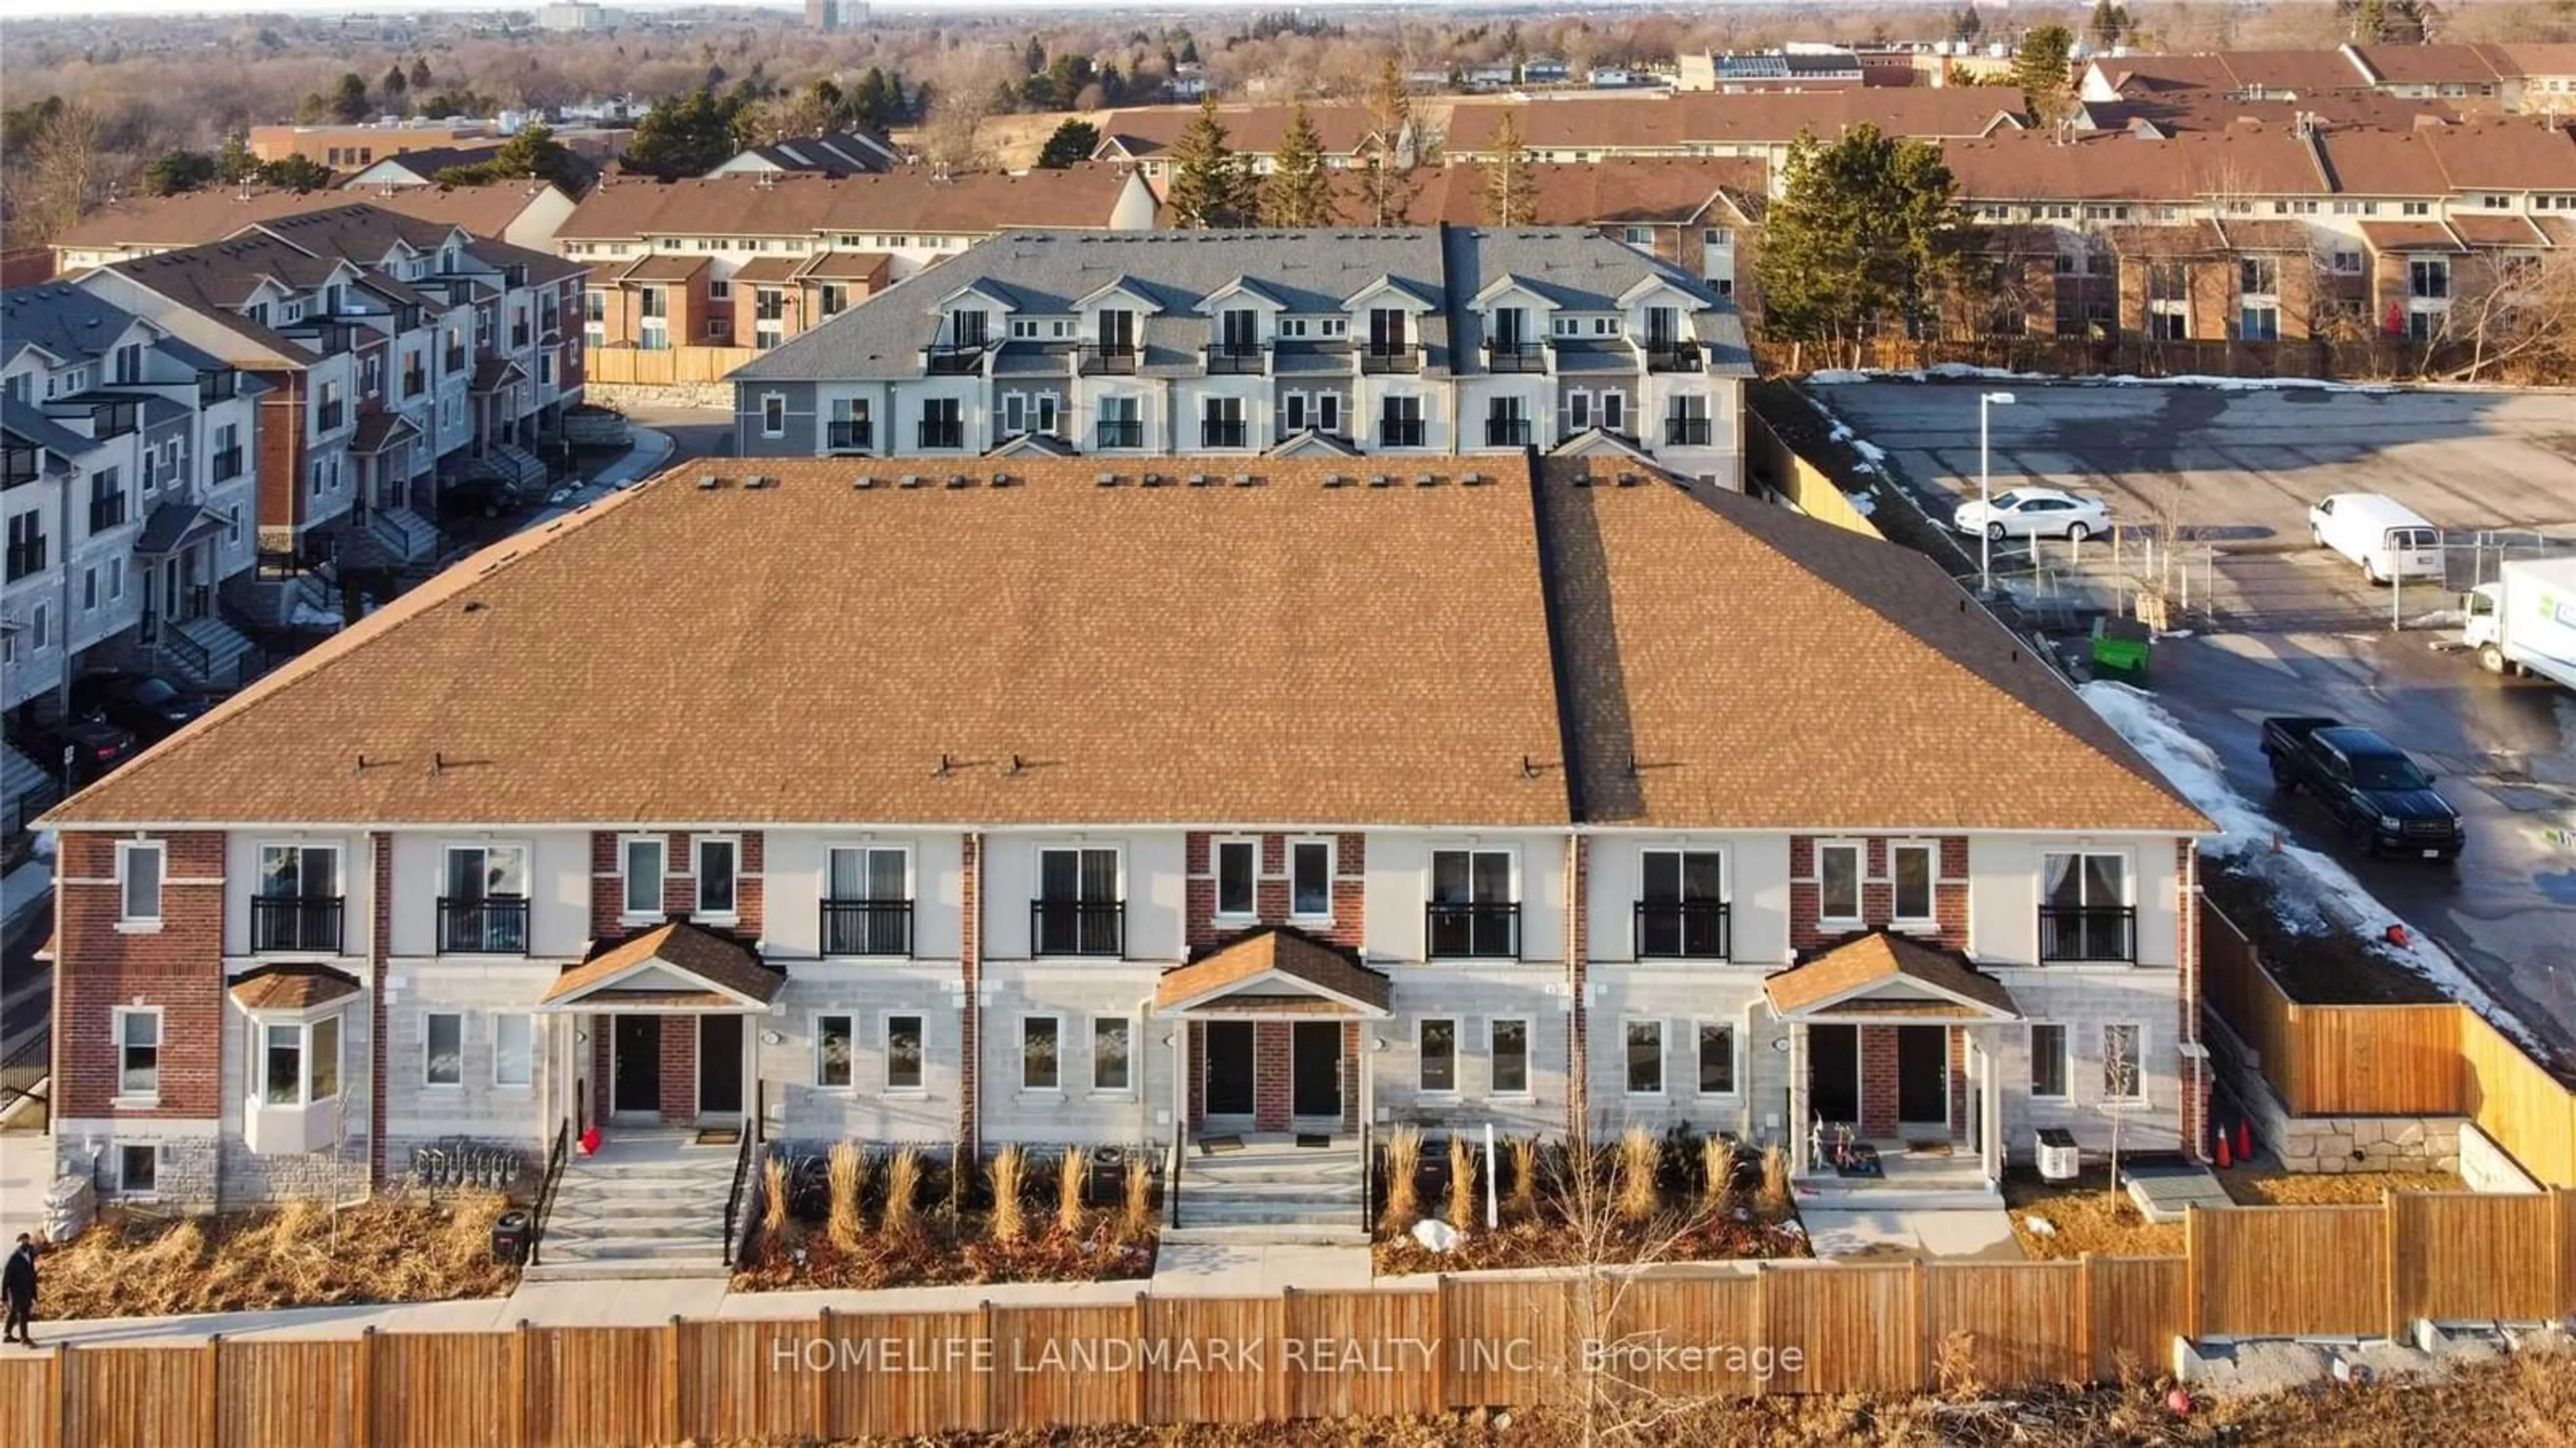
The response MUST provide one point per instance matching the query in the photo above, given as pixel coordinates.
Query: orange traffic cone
(2223, 1158)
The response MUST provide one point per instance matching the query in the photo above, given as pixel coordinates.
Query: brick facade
(380, 950)
(679, 1068)
(177, 967)
(1271, 1088)
(2195, 1068)
(970, 974)
(1578, 956)
(1271, 886)
(1878, 891)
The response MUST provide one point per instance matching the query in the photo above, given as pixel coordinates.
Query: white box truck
(2526, 619)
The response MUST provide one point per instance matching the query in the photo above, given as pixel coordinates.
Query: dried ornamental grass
(1776, 1200)
(1009, 1166)
(903, 1185)
(1136, 1214)
(1462, 1185)
(1717, 1172)
(773, 1188)
(848, 1174)
(1639, 1156)
(1070, 1176)
(1403, 1192)
(1524, 1150)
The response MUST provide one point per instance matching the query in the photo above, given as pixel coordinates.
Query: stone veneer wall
(2324, 1144)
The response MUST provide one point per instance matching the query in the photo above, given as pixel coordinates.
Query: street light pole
(1986, 402)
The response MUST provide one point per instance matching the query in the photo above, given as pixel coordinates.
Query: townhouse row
(1649, 865)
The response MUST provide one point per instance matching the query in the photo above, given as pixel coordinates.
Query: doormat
(1927, 1148)
(1860, 1159)
(1313, 1140)
(1211, 1145)
(719, 1136)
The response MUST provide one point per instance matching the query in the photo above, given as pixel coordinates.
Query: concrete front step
(612, 1243)
(1895, 1199)
(1224, 1209)
(615, 1269)
(571, 1226)
(1246, 1234)
(1309, 1185)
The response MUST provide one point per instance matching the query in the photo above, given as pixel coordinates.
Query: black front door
(719, 1065)
(1318, 1056)
(1833, 1072)
(1229, 1068)
(638, 1063)
(1923, 1074)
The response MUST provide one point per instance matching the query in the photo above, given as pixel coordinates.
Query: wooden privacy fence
(1777, 464)
(1801, 1328)
(2389, 1060)
(662, 366)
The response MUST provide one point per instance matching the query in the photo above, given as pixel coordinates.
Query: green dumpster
(2120, 646)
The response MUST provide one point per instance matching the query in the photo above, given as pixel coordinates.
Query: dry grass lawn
(299, 1255)
(2087, 1216)
(2264, 1186)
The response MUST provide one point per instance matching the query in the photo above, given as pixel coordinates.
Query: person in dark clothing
(18, 1286)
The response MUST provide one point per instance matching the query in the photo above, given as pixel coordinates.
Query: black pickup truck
(2382, 800)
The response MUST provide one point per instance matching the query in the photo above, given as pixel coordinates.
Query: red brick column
(1194, 1065)
(679, 1063)
(1578, 976)
(380, 949)
(970, 966)
(1270, 1075)
(2194, 1069)
(607, 887)
(1878, 1081)
(750, 890)
(1354, 1061)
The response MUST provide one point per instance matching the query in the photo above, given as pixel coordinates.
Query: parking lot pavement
(2502, 751)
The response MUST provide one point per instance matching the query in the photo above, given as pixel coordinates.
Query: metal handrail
(192, 655)
(555, 1158)
(733, 1197)
(1172, 1172)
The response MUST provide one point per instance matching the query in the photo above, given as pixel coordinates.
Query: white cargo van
(2388, 539)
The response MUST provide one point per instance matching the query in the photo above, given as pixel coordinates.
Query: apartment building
(666, 254)
(522, 213)
(1697, 213)
(1126, 839)
(2269, 233)
(847, 153)
(396, 351)
(2535, 78)
(353, 147)
(1705, 123)
(1143, 138)
(1421, 341)
(128, 498)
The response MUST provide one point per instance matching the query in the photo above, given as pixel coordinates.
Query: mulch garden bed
(941, 1253)
(1671, 1238)
(299, 1255)
(2084, 1215)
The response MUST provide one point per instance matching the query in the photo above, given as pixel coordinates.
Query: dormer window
(966, 328)
(1390, 330)
(1239, 331)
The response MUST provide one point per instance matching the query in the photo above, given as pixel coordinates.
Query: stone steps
(649, 1205)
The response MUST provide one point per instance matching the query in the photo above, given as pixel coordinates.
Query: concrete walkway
(1212, 1269)
(1982, 1234)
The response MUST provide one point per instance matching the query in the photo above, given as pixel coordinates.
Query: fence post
(2395, 1283)
(1136, 1400)
(1919, 1377)
(671, 1381)
(984, 1331)
(1439, 1342)
(519, 1353)
(362, 1381)
(1280, 1397)
(2194, 1249)
(58, 1377)
(2084, 1337)
(2563, 1247)
(211, 1427)
(823, 1380)
(1762, 1323)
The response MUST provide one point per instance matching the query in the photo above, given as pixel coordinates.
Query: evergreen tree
(1033, 58)
(1388, 182)
(394, 84)
(2040, 69)
(296, 173)
(1070, 145)
(234, 163)
(689, 136)
(875, 101)
(1297, 192)
(421, 79)
(1207, 177)
(1511, 190)
(532, 153)
(350, 104)
(2109, 22)
(172, 172)
(1968, 25)
(1865, 229)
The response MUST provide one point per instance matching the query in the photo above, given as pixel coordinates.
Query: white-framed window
(713, 859)
(1435, 1044)
(514, 1049)
(1716, 1058)
(1041, 1054)
(137, 1168)
(1915, 866)
(1507, 1051)
(138, 1053)
(1238, 868)
(866, 888)
(138, 879)
(640, 864)
(2124, 1074)
(2049, 1073)
(2083, 895)
(1840, 867)
(1310, 879)
(1472, 894)
(834, 1036)
(1642, 1055)
(1681, 905)
(1614, 411)
(1080, 889)
(773, 414)
(906, 1049)
(442, 1048)
(1113, 1041)
(295, 1063)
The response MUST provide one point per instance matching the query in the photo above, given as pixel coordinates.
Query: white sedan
(2035, 513)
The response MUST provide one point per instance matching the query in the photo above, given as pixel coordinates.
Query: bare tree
(66, 174)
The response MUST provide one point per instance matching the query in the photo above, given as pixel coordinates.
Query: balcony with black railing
(1457, 930)
(867, 927)
(1096, 358)
(483, 925)
(1507, 432)
(1405, 433)
(1376, 357)
(227, 465)
(303, 923)
(1515, 357)
(1129, 433)
(1237, 359)
(1684, 930)
(25, 559)
(1214, 433)
(107, 511)
(1077, 927)
(1672, 356)
(846, 435)
(1686, 432)
(955, 359)
(2088, 934)
(951, 434)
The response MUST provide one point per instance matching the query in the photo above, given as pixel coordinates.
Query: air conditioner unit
(2059, 1160)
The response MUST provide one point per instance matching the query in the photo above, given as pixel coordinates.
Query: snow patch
(2440, 618)
(307, 616)
(1964, 372)
(2311, 891)
(1865, 504)
(1869, 450)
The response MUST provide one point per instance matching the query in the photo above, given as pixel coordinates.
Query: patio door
(1833, 1073)
(1316, 1053)
(1228, 1048)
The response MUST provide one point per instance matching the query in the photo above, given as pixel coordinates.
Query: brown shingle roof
(662, 266)
(2428, 64)
(1674, 190)
(1291, 954)
(1151, 130)
(690, 950)
(2368, 162)
(1384, 657)
(2385, 236)
(1717, 117)
(1878, 958)
(291, 988)
(217, 212)
(2247, 160)
(2517, 153)
(768, 269)
(2497, 231)
(910, 200)
(2191, 238)
(839, 266)
(2240, 235)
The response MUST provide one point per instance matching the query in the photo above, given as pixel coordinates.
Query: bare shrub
(1136, 1212)
(773, 1190)
(1524, 1150)
(1776, 1200)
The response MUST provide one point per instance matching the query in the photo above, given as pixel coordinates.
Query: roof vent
(1583, 480)
(863, 482)
(1154, 480)
(1336, 480)
(757, 481)
(1198, 480)
(913, 480)
(708, 482)
(1244, 480)
(1629, 480)
(1471, 480)
(960, 480)
(1107, 480)
(1004, 480)
(1379, 480)
(1424, 480)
